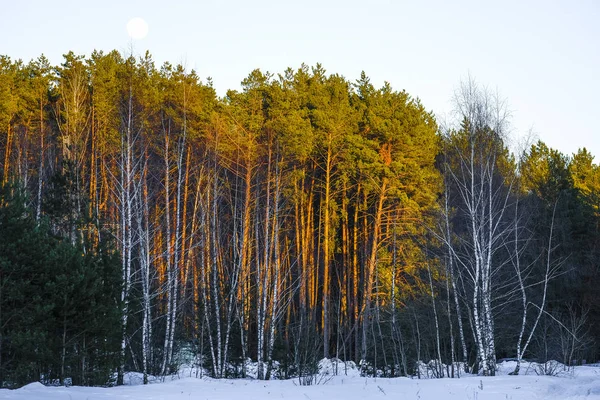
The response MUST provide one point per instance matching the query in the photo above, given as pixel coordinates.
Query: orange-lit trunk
(326, 254)
(344, 283)
(355, 279)
(184, 255)
(371, 265)
(7, 151)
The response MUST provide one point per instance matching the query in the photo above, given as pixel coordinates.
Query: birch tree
(480, 174)
(128, 191)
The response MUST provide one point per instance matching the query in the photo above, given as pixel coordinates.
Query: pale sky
(543, 57)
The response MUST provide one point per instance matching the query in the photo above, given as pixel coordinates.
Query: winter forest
(146, 222)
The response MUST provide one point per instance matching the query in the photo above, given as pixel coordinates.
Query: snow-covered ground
(581, 383)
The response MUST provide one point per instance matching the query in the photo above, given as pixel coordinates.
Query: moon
(137, 28)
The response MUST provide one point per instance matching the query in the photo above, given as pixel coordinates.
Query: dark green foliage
(571, 185)
(58, 312)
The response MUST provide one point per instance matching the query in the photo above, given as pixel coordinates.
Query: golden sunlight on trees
(304, 216)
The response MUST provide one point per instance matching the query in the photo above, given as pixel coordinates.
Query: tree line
(144, 221)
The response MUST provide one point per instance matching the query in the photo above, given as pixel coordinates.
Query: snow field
(581, 383)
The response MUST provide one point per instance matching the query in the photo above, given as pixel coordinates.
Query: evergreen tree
(58, 303)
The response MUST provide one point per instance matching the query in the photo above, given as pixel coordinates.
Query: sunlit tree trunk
(371, 265)
(326, 251)
(169, 273)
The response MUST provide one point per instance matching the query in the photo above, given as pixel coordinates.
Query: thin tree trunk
(7, 151)
(169, 289)
(369, 274)
(439, 368)
(326, 254)
(38, 211)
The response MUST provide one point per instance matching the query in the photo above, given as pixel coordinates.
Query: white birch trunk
(169, 288)
(126, 215)
(439, 367)
(275, 289)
